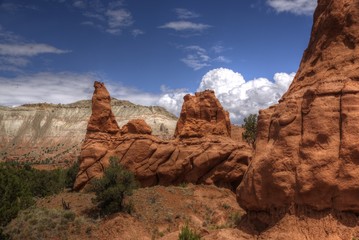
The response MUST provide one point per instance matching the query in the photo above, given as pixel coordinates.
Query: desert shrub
(234, 219)
(19, 184)
(38, 223)
(44, 183)
(111, 189)
(188, 234)
(15, 195)
(250, 129)
(71, 174)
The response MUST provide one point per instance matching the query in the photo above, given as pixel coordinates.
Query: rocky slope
(307, 151)
(201, 152)
(47, 133)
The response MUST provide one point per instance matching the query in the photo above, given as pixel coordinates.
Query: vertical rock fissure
(340, 121)
(270, 125)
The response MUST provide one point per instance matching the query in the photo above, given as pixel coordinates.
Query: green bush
(111, 189)
(19, 184)
(71, 174)
(187, 234)
(250, 129)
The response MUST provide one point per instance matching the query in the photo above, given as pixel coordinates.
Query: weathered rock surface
(307, 149)
(53, 134)
(136, 126)
(102, 118)
(210, 157)
(202, 115)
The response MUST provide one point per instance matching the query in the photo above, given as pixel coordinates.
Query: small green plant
(188, 234)
(113, 187)
(250, 129)
(235, 218)
(71, 174)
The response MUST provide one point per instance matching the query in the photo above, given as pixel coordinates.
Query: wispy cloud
(118, 19)
(185, 26)
(107, 16)
(28, 50)
(299, 7)
(219, 48)
(14, 7)
(137, 32)
(222, 59)
(15, 53)
(80, 4)
(198, 57)
(183, 13)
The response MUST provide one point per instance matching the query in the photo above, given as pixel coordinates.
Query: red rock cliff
(307, 149)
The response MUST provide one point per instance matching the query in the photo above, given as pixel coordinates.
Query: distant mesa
(201, 151)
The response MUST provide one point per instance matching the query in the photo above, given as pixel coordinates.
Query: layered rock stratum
(307, 149)
(53, 134)
(201, 152)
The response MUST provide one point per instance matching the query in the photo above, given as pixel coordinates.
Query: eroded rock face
(102, 118)
(307, 148)
(202, 115)
(136, 126)
(203, 152)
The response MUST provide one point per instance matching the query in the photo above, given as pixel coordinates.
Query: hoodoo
(307, 148)
(202, 115)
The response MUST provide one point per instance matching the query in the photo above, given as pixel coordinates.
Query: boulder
(136, 126)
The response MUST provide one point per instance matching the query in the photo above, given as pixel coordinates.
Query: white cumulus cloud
(299, 7)
(238, 96)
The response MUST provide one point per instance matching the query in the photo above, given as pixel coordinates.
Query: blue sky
(152, 52)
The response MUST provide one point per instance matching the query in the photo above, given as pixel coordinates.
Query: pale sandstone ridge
(202, 115)
(202, 151)
(307, 148)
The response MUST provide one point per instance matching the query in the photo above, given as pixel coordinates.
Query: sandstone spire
(307, 150)
(102, 118)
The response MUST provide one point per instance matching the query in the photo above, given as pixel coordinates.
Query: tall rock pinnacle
(102, 118)
(307, 149)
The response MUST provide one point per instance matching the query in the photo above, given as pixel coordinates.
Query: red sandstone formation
(195, 156)
(307, 148)
(102, 118)
(202, 115)
(136, 126)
